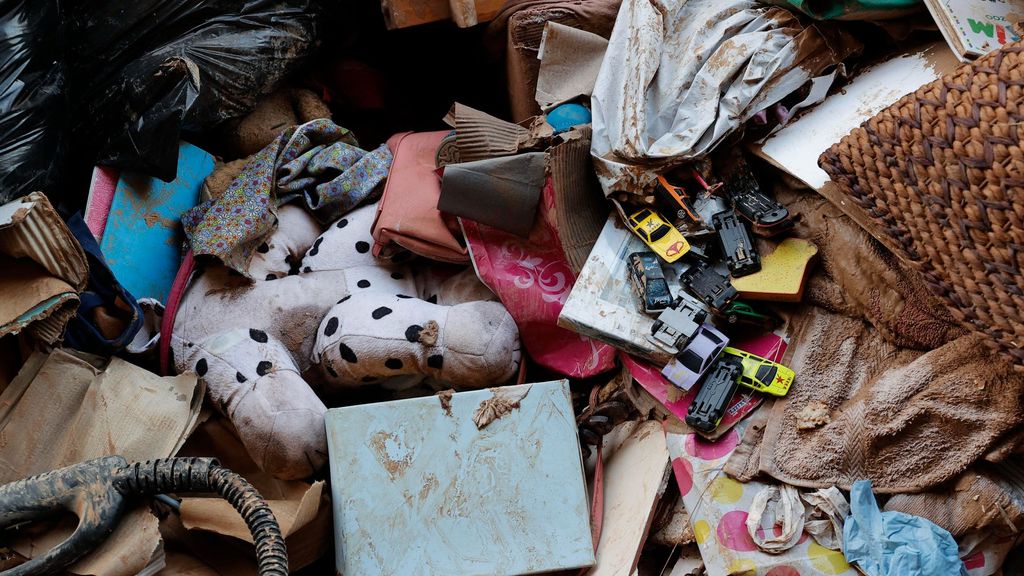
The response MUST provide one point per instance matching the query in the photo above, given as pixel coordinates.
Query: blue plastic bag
(894, 543)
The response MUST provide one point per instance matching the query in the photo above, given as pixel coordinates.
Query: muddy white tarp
(680, 75)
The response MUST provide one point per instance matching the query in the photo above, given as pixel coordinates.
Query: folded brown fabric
(580, 210)
(863, 279)
(904, 419)
(989, 498)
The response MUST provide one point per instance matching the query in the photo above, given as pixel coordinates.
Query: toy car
(742, 313)
(662, 237)
(739, 251)
(677, 325)
(648, 280)
(689, 365)
(761, 374)
(767, 217)
(708, 285)
(675, 199)
(713, 398)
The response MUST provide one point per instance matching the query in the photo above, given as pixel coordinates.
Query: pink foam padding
(101, 196)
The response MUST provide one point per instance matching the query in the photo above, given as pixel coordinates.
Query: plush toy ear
(281, 254)
(345, 244)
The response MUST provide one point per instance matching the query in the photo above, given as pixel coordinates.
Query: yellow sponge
(783, 273)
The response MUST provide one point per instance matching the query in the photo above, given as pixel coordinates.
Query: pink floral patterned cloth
(533, 279)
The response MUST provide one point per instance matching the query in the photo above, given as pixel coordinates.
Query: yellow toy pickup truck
(660, 236)
(762, 374)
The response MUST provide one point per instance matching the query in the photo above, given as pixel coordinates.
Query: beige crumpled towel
(904, 419)
(899, 395)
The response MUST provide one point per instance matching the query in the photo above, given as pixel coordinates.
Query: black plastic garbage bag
(32, 106)
(175, 63)
(132, 76)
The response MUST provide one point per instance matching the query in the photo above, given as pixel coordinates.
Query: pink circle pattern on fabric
(712, 450)
(683, 471)
(732, 532)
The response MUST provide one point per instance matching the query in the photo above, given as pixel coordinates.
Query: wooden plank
(406, 13)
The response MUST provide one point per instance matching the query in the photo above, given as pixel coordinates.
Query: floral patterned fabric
(532, 278)
(319, 160)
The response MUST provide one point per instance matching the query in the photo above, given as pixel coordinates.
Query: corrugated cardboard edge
(31, 228)
(580, 212)
(480, 135)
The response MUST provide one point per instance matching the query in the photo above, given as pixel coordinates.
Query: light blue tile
(419, 491)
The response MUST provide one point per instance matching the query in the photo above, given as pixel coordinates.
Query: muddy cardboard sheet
(481, 482)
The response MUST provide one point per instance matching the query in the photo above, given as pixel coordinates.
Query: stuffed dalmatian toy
(327, 310)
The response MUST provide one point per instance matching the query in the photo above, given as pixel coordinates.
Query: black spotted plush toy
(327, 304)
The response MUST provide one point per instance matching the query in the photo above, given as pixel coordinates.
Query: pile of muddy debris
(604, 287)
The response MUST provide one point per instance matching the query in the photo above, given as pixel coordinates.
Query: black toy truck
(648, 280)
(675, 326)
(767, 217)
(708, 285)
(738, 249)
(713, 397)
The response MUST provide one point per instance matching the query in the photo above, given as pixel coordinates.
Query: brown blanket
(905, 418)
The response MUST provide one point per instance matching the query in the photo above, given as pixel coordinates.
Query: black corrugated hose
(206, 475)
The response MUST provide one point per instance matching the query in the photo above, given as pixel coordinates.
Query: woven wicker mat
(938, 177)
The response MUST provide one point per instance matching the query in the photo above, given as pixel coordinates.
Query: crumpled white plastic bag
(778, 517)
(894, 543)
(681, 75)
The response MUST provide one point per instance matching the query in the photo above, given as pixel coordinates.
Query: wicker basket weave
(939, 179)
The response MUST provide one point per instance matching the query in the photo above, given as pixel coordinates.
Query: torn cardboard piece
(636, 473)
(479, 135)
(500, 192)
(79, 407)
(580, 211)
(796, 148)
(569, 62)
(218, 516)
(44, 268)
(505, 499)
(217, 535)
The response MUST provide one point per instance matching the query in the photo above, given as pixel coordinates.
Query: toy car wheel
(656, 326)
(732, 318)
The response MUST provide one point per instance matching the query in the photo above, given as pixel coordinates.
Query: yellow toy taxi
(762, 374)
(662, 237)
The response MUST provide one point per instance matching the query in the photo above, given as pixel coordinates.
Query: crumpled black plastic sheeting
(32, 106)
(130, 77)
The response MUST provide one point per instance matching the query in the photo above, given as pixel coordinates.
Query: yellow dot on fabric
(701, 531)
(742, 567)
(725, 490)
(825, 560)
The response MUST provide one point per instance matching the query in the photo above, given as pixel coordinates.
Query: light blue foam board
(143, 238)
(421, 491)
